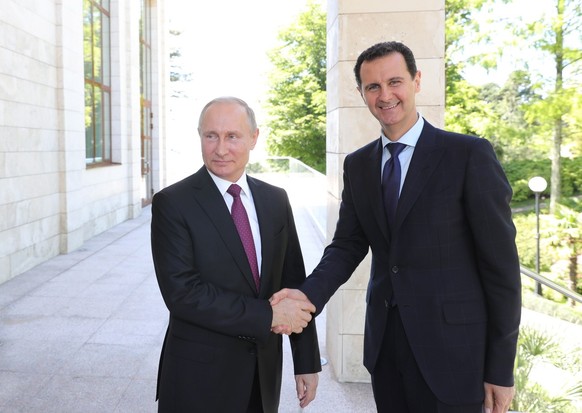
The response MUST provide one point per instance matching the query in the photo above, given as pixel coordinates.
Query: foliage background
(296, 103)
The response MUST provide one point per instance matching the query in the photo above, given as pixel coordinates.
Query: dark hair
(384, 49)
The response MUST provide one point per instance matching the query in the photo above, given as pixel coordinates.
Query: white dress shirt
(410, 138)
(246, 197)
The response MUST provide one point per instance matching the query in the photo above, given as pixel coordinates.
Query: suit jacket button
(395, 269)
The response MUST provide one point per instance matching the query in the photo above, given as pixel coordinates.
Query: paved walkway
(82, 332)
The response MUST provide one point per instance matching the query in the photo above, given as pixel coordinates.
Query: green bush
(520, 171)
(525, 238)
(554, 257)
(536, 346)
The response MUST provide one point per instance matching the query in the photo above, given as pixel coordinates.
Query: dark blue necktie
(391, 181)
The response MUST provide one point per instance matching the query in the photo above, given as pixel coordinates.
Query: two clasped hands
(292, 311)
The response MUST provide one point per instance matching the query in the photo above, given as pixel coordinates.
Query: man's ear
(255, 137)
(417, 80)
(359, 89)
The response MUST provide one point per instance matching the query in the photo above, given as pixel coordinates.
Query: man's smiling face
(389, 91)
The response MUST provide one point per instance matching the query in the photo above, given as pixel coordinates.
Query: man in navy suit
(219, 354)
(444, 295)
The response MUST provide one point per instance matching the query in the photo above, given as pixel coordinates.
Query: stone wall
(50, 202)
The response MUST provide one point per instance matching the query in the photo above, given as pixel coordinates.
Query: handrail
(549, 283)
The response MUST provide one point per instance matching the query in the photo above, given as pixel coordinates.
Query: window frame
(97, 61)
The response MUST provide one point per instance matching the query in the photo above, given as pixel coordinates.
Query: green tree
(179, 75)
(465, 112)
(550, 119)
(566, 236)
(296, 103)
(507, 106)
(557, 38)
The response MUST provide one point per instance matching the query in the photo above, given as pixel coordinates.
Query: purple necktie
(241, 221)
(391, 181)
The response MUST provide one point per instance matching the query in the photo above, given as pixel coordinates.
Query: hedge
(519, 173)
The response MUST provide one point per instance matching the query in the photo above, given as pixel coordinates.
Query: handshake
(292, 311)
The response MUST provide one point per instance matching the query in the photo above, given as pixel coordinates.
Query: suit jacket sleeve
(341, 257)
(487, 205)
(304, 346)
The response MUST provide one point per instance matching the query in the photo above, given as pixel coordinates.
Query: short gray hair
(230, 99)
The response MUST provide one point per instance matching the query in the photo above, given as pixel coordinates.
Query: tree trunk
(556, 179)
(573, 271)
(555, 191)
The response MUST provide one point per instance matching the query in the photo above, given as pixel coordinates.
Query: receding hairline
(232, 100)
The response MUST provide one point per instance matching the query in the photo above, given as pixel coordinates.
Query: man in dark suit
(444, 295)
(219, 353)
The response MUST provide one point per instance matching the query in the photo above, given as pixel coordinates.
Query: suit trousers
(397, 381)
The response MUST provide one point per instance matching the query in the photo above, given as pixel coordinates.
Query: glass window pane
(89, 130)
(106, 126)
(99, 125)
(87, 39)
(141, 68)
(142, 20)
(97, 39)
(105, 50)
(97, 63)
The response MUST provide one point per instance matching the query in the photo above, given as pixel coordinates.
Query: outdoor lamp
(538, 185)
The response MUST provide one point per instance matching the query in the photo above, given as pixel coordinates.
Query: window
(97, 54)
(145, 53)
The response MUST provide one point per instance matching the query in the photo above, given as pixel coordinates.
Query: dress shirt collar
(223, 184)
(410, 137)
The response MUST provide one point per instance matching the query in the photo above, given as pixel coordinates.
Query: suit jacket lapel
(212, 202)
(265, 215)
(425, 159)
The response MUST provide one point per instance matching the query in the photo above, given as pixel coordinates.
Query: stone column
(71, 124)
(353, 26)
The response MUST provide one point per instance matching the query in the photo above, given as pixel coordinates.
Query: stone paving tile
(74, 394)
(90, 307)
(48, 328)
(18, 386)
(18, 287)
(129, 332)
(133, 399)
(105, 360)
(30, 305)
(34, 357)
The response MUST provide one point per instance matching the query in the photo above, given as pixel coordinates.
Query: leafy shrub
(520, 171)
(535, 346)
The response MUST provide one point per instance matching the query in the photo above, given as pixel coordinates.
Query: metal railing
(550, 284)
(301, 182)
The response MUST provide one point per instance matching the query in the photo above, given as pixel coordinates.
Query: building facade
(82, 119)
